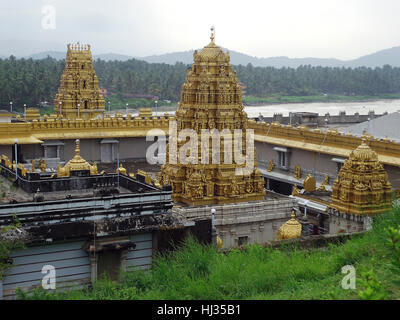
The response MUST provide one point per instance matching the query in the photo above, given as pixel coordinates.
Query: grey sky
(343, 29)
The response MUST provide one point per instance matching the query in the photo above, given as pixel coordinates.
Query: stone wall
(314, 119)
(241, 223)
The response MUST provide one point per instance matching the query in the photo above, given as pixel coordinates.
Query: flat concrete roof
(382, 127)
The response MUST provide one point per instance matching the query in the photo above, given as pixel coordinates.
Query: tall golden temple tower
(211, 100)
(362, 186)
(79, 94)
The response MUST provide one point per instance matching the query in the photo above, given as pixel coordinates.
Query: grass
(276, 99)
(200, 272)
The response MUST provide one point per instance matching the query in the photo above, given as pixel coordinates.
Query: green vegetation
(32, 82)
(9, 241)
(200, 272)
(46, 110)
(118, 102)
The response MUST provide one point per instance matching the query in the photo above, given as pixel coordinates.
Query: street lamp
(16, 158)
(11, 106)
(156, 102)
(79, 110)
(25, 110)
(109, 107)
(60, 108)
(126, 109)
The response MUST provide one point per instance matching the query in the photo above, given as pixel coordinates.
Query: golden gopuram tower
(211, 100)
(79, 94)
(362, 186)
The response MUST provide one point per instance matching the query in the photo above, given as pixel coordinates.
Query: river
(379, 106)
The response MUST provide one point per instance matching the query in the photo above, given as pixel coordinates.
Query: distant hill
(388, 56)
(59, 55)
(380, 58)
(43, 55)
(112, 56)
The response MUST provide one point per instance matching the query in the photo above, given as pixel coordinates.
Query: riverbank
(277, 99)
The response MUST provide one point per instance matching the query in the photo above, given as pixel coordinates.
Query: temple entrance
(280, 187)
(109, 264)
(106, 152)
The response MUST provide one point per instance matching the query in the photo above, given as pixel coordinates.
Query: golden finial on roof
(77, 147)
(77, 162)
(212, 34)
(291, 229)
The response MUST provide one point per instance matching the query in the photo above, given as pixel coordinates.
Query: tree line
(31, 82)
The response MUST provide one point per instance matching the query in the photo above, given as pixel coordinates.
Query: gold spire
(212, 34)
(77, 147)
(79, 93)
(211, 99)
(291, 229)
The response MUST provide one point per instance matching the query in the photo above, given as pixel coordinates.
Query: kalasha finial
(212, 34)
(77, 147)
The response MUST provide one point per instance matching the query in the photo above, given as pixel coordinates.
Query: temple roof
(363, 153)
(211, 51)
(381, 127)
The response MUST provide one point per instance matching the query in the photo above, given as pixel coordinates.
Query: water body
(333, 108)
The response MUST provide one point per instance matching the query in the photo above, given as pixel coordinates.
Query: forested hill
(28, 81)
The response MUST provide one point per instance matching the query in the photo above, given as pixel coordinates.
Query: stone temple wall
(244, 223)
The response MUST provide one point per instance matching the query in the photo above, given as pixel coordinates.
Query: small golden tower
(211, 99)
(362, 186)
(291, 229)
(77, 163)
(79, 94)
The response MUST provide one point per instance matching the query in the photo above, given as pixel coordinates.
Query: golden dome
(291, 229)
(211, 52)
(77, 162)
(363, 153)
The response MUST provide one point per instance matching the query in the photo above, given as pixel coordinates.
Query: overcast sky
(343, 29)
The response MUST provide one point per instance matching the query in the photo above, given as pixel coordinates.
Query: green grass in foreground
(275, 99)
(199, 272)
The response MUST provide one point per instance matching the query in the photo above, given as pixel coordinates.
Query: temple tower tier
(211, 108)
(79, 94)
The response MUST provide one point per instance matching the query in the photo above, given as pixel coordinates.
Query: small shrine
(77, 166)
(362, 186)
(291, 229)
